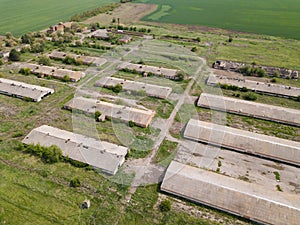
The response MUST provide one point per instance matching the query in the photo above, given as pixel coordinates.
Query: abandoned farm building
(99, 154)
(150, 89)
(146, 70)
(54, 72)
(87, 60)
(261, 87)
(23, 90)
(139, 117)
(248, 108)
(100, 34)
(271, 71)
(231, 195)
(244, 141)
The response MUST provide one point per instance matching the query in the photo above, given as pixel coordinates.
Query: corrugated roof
(244, 141)
(268, 88)
(139, 116)
(246, 199)
(248, 108)
(24, 90)
(150, 89)
(100, 154)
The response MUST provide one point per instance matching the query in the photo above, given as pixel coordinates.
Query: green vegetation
(41, 14)
(75, 182)
(277, 175)
(165, 205)
(166, 152)
(250, 96)
(14, 55)
(255, 16)
(278, 188)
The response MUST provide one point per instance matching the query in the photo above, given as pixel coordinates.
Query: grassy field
(22, 16)
(271, 17)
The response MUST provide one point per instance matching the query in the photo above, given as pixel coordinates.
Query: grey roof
(268, 88)
(139, 116)
(23, 90)
(244, 141)
(242, 198)
(52, 71)
(85, 59)
(101, 33)
(100, 154)
(150, 89)
(158, 71)
(248, 108)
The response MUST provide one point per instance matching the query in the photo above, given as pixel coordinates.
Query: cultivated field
(33, 15)
(270, 17)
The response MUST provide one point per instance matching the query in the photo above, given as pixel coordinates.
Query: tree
(165, 205)
(180, 76)
(66, 78)
(97, 115)
(14, 55)
(131, 123)
(230, 39)
(250, 96)
(44, 60)
(75, 182)
(194, 49)
(27, 38)
(118, 88)
(25, 71)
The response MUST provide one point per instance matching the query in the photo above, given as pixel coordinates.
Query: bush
(131, 123)
(14, 55)
(50, 154)
(97, 115)
(244, 89)
(274, 80)
(250, 96)
(66, 79)
(75, 182)
(298, 98)
(25, 71)
(44, 60)
(1, 62)
(165, 205)
(118, 88)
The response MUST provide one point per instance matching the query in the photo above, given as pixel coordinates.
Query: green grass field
(21, 16)
(271, 17)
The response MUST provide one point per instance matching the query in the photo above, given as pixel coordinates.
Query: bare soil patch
(128, 13)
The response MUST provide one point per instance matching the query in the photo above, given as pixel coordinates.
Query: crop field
(271, 17)
(22, 16)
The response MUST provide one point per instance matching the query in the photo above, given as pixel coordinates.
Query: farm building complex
(150, 89)
(86, 60)
(139, 117)
(99, 154)
(231, 195)
(146, 70)
(244, 141)
(51, 71)
(247, 108)
(23, 90)
(261, 87)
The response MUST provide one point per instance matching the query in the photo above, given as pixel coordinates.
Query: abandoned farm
(147, 123)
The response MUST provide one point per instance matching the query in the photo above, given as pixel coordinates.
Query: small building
(125, 39)
(60, 27)
(100, 34)
(86, 204)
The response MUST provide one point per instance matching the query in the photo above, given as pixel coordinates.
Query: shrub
(1, 62)
(14, 55)
(250, 96)
(131, 123)
(44, 60)
(278, 187)
(277, 175)
(97, 115)
(298, 98)
(25, 71)
(66, 79)
(194, 49)
(165, 205)
(75, 182)
(274, 80)
(118, 88)
(244, 89)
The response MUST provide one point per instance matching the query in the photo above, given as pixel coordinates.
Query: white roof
(100, 154)
(232, 195)
(248, 108)
(24, 90)
(150, 89)
(244, 141)
(269, 88)
(138, 116)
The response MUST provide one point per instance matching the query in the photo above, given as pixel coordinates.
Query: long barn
(231, 195)
(244, 141)
(247, 108)
(99, 154)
